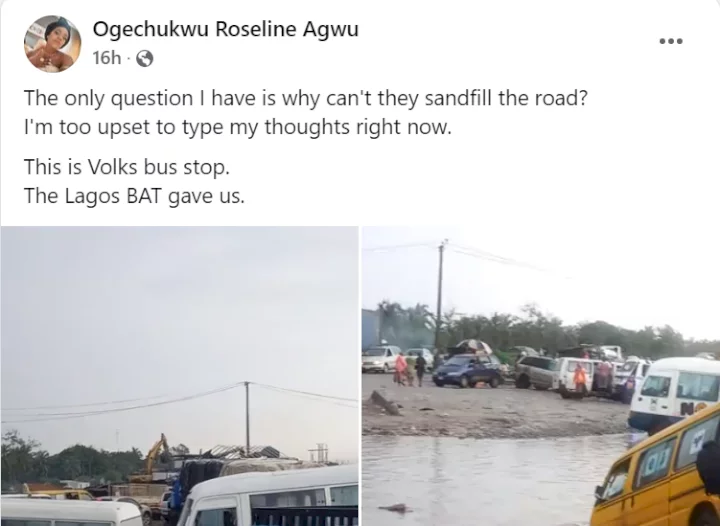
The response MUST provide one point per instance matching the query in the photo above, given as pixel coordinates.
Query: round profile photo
(52, 44)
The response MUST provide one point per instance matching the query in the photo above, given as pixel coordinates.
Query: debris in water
(397, 508)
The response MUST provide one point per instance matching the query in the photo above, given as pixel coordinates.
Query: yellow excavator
(147, 477)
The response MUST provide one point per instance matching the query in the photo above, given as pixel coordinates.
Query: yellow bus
(656, 483)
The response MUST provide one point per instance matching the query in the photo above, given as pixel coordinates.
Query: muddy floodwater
(534, 482)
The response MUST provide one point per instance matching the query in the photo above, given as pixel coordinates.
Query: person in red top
(400, 368)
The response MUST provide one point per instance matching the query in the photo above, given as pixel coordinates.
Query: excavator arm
(152, 454)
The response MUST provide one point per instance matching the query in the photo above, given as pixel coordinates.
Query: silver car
(535, 371)
(380, 359)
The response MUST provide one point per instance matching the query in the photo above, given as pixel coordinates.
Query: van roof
(258, 482)
(69, 510)
(688, 364)
(673, 429)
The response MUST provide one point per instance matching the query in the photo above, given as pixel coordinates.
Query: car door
(531, 364)
(541, 373)
(649, 504)
(482, 371)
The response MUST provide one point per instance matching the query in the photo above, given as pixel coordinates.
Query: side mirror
(599, 493)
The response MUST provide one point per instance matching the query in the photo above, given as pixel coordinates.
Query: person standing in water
(48, 56)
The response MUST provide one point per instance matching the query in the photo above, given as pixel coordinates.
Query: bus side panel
(686, 491)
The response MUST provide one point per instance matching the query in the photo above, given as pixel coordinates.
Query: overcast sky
(102, 314)
(606, 265)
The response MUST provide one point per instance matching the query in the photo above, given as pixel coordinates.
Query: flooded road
(495, 482)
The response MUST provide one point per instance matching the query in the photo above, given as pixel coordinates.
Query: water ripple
(493, 482)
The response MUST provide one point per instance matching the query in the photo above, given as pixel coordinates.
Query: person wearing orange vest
(580, 379)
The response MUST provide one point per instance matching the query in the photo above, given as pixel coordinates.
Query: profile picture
(52, 44)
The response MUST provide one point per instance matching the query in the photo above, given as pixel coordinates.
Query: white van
(563, 380)
(673, 389)
(268, 498)
(41, 512)
(628, 378)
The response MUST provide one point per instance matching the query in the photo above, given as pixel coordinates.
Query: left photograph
(180, 376)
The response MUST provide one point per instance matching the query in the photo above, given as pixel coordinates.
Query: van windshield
(185, 512)
(657, 386)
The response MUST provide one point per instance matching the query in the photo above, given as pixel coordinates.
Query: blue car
(466, 370)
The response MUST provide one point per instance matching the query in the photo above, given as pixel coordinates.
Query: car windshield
(628, 367)
(658, 386)
(458, 361)
(374, 352)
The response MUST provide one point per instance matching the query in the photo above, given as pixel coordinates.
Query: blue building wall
(370, 328)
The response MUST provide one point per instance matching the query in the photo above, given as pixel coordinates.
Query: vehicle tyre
(706, 518)
(464, 382)
(494, 382)
(386, 369)
(523, 382)
(146, 519)
(439, 384)
(564, 394)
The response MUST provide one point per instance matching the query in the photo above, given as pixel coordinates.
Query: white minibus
(323, 494)
(673, 389)
(42, 512)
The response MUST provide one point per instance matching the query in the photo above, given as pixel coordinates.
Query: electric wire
(47, 417)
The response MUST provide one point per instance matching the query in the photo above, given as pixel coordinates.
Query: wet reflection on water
(494, 482)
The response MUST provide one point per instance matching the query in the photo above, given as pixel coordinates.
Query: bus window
(697, 386)
(693, 440)
(289, 499)
(344, 496)
(654, 463)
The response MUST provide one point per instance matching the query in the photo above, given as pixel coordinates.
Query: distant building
(370, 328)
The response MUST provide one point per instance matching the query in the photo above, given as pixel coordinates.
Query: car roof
(257, 482)
(78, 511)
(692, 364)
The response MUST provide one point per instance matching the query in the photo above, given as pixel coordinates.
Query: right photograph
(524, 379)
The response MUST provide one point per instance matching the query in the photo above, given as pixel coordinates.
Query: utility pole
(247, 419)
(438, 316)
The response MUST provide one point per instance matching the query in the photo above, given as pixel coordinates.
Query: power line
(390, 248)
(68, 416)
(73, 406)
(487, 256)
(305, 393)
(47, 417)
